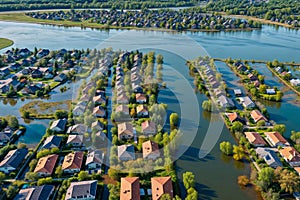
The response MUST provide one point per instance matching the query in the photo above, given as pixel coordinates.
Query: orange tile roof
(141, 108)
(160, 186)
(73, 160)
(46, 164)
(232, 116)
(140, 96)
(255, 138)
(125, 128)
(290, 154)
(257, 116)
(150, 147)
(276, 137)
(130, 188)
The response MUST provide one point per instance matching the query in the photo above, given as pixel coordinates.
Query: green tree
(266, 175)
(12, 121)
(2, 177)
(32, 164)
(237, 127)
(279, 128)
(226, 148)
(289, 181)
(44, 181)
(11, 91)
(188, 180)
(31, 176)
(192, 194)
(207, 105)
(83, 175)
(174, 119)
(61, 114)
(238, 152)
(59, 172)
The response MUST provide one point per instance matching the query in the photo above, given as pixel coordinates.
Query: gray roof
(52, 141)
(270, 156)
(95, 157)
(60, 123)
(225, 101)
(126, 152)
(14, 158)
(35, 193)
(81, 188)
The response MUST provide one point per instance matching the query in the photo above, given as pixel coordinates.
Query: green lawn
(5, 43)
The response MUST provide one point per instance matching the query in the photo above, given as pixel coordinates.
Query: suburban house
(234, 117)
(77, 129)
(99, 100)
(122, 109)
(255, 139)
(148, 128)
(5, 136)
(295, 82)
(252, 77)
(225, 102)
(140, 98)
(125, 131)
(72, 162)
(96, 125)
(291, 156)
(247, 102)
(270, 157)
(122, 99)
(257, 116)
(270, 91)
(83, 190)
(46, 165)
(130, 188)
(160, 186)
(43, 192)
(126, 152)
(276, 139)
(142, 111)
(219, 92)
(59, 125)
(94, 159)
(150, 150)
(52, 141)
(99, 111)
(61, 78)
(12, 160)
(237, 92)
(78, 110)
(75, 140)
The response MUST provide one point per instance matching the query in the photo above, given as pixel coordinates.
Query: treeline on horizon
(11, 5)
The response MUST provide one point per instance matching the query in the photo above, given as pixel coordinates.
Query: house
(99, 111)
(247, 102)
(225, 102)
(270, 157)
(126, 152)
(99, 100)
(271, 91)
(136, 87)
(142, 111)
(12, 160)
(130, 188)
(77, 129)
(52, 142)
(148, 128)
(30, 89)
(5, 136)
(72, 162)
(291, 156)
(45, 165)
(61, 78)
(43, 192)
(140, 98)
(37, 73)
(219, 92)
(97, 126)
(242, 68)
(75, 140)
(256, 83)
(237, 92)
(43, 52)
(78, 110)
(160, 186)
(85, 98)
(122, 99)
(82, 190)
(255, 139)
(125, 131)
(252, 77)
(150, 150)
(276, 139)
(295, 82)
(257, 116)
(122, 109)
(233, 117)
(59, 125)
(94, 159)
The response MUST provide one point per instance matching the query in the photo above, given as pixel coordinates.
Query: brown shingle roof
(290, 154)
(257, 116)
(130, 188)
(160, 186)
(276, 137)
(255, 138)
(73, 160)
(46, 164)
(150, 147)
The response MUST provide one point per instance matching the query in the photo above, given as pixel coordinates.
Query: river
(216, 175)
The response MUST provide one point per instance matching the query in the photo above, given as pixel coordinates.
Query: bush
(226, 148)
(243, 181)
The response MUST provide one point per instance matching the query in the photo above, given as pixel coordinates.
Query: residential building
(148, 128)
(257, 116)
(52, 141)
(99, 111)
(291, 156)
(276, 139)
(126, 152)
(140, 98)
(270, 157)
(83, 190)
(12, 160)
(130, 188)
(72, 162)
(94, 159)
(255, 139)
(125, 131)
(234, 117)
(43, 192)
(247, 102)
(75, 140)
(160, 186)
(142, 111)
(225, 102)
(59, 125)
(45, 165)
(150, 150)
